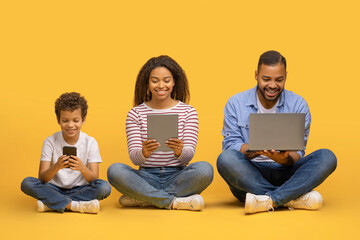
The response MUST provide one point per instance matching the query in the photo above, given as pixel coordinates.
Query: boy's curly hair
(70, 102)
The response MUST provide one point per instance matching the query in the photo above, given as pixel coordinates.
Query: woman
(163, 180)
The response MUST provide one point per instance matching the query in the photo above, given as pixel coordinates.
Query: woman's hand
(176, 145)
(149, 146)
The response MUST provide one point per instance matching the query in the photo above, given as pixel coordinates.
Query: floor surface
(222, 218)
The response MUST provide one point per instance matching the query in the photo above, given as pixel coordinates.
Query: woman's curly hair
(70, 102)
(180, 90)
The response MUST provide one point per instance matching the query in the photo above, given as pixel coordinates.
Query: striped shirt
(136, 132)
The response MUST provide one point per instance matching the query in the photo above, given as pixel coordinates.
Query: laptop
(162, 127)
(278, 131)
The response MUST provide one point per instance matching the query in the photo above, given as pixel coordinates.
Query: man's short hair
(271, 58)
(70, 102)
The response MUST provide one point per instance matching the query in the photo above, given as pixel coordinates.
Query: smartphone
(69, 150)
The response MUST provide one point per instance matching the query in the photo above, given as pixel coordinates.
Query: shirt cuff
(186, 155)
(301, 153)
(137, 157)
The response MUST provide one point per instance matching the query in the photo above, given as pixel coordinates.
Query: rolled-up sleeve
(233, 137)
(304, 108)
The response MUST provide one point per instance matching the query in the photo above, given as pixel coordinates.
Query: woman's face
(161, 83)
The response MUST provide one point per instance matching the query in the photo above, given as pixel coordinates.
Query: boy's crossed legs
(80, 199)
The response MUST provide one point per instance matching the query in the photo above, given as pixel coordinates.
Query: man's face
(271, 82)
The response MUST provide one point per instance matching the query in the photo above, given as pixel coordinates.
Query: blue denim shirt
(239, 107)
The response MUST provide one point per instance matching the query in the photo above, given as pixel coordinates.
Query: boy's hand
(62, 162)
(176, 145)
(76, 164)
(149, 146)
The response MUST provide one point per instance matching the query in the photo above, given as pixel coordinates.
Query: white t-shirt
(263, 158)
(87, 151)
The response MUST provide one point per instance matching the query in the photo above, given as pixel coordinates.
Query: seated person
(164, 179)
(268, 179)
(68, 182)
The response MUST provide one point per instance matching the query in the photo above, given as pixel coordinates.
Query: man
(265, 180)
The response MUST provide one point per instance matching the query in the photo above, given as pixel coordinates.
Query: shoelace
(265, 204)
(83, 207)
(301, 202)
(270, 208)
(185, 204)
(87, 207)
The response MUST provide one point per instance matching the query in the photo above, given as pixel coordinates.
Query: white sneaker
(130, 202)
(92, 206)
(311, 201)
(41, 207)
(258, 203)
(193, 202)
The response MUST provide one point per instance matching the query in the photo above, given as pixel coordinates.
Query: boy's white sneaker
(92, 206)
(311, 201)
(258, 203)
(130, 202)
(41, 207)
(193, 202)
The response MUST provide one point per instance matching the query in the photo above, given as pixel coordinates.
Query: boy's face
(71, 123)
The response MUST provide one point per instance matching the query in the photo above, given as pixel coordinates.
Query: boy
(68, 182)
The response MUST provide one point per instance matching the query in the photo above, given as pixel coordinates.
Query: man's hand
(176, 145)
(281, 157)
(286, 158)
(149, 146)
(249, 155)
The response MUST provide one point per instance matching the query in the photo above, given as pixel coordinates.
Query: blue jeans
(160, 185)
(281, 183)
(58, 198)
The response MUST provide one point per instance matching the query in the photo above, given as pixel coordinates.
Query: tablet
(278, 131)
(162, 127)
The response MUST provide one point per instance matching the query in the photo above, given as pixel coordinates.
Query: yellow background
(97, 49)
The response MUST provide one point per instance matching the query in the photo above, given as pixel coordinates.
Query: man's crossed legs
(265, 185)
